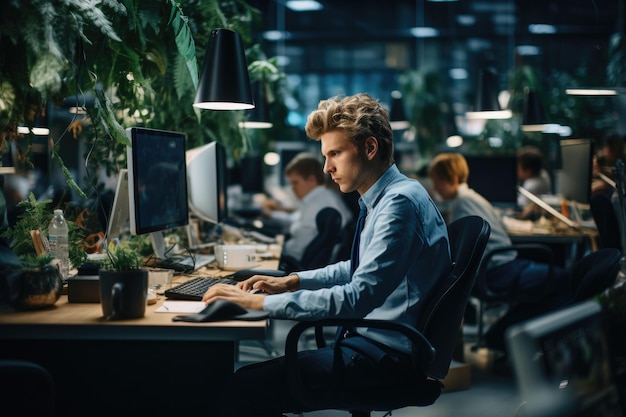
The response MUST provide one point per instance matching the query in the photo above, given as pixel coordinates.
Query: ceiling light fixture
(487, 105)
(397, 115)
(424, 32)
(594, 91)
(224, 82)
(534, 115)
(303, 5)
(258, 117)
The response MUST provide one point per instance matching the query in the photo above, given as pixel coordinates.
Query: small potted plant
(122, 258)
(123, 283)
(40, 283)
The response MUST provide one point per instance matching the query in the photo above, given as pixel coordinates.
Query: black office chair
(434, 337)
(485, 297)
(27, 389)
(606, 220)
(319, 251)
(594, 273)
(589, 276)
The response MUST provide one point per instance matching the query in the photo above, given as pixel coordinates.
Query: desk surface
(84, 321)
(558, 236)
(105, 368)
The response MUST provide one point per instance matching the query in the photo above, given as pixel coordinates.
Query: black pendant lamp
(258, 117)
(534, 115)
(487, 105)
(224, 80)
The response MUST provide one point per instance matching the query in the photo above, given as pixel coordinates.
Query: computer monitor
(574, 177)
(207, 182)
(251, 174)
(494, 177)
(563, 363)
(157, 183)
(287, 151)
(120, 215)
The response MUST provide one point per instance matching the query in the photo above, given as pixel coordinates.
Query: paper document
(181, 307)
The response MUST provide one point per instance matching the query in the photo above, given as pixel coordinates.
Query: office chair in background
(594, 273)
(319, 252)
(484, 297)
(605, 216)
(434, 337)
(589, 276)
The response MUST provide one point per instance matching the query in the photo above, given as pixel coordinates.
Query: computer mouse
(244, 274)
(222, 310)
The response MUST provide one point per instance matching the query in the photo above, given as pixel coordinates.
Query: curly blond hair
(360, 116)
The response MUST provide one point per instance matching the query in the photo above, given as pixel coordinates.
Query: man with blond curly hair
(400, 253)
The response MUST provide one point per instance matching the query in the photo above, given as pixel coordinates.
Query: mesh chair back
(446, 303)
(594, 273)
(318, 253)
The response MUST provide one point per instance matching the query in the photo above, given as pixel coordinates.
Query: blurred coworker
(306, 177)
(533, 177)
(448, 173)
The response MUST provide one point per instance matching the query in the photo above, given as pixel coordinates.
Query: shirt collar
(371, 196)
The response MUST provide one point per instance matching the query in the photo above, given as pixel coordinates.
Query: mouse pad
(222, 310)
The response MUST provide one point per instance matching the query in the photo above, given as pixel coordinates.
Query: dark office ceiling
(485, 27)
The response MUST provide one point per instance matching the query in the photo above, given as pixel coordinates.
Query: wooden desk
(106, 368)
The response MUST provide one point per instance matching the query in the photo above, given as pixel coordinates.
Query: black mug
(123, 295)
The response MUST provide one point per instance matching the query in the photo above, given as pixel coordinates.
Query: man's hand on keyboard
(235, 294)
(269, 284)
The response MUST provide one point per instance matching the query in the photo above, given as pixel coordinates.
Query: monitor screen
(207, 182)
(157, 180)
(252, 174)
(287, 151)
(563, 363)
(494, 177)
(574, 177)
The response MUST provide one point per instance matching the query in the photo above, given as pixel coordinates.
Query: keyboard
(195, 288)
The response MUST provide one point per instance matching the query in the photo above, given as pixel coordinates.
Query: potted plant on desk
(38, 283)
(123, 283)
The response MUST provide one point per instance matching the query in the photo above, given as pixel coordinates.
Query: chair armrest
(425, 350)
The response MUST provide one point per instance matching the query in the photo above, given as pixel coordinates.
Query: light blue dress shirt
(404, 250)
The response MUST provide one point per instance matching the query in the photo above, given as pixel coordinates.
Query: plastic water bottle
(58, 239)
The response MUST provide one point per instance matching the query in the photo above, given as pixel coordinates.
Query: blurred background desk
(147, 365)
(567, 245)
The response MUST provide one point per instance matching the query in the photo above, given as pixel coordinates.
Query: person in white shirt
(306, 177)
(533, 177)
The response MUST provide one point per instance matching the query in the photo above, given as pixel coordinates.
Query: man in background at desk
(533, 177)
(403, 252)
(306, 177)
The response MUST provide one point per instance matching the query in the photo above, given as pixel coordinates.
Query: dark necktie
(354, 254)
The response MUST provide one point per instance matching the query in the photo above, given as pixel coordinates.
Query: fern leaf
(184, 41)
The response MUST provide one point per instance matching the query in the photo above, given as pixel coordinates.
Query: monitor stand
(159, 247)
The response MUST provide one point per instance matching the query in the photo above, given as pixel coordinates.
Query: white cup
(235, 257)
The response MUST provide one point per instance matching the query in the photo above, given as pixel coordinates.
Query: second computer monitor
(574, 178)
(494, 177)
(207, 182)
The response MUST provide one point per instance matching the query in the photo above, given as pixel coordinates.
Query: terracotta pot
(40, 288)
